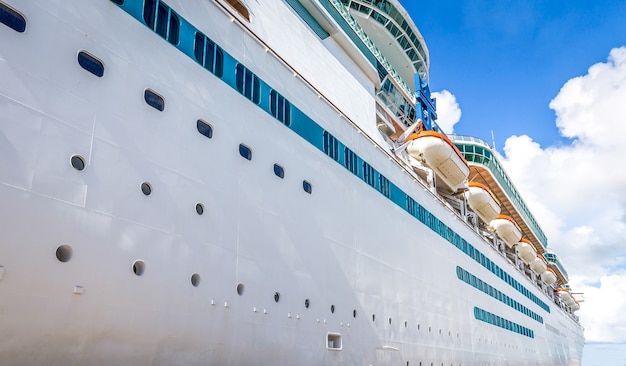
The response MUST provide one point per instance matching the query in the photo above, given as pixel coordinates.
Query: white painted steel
(339, 246)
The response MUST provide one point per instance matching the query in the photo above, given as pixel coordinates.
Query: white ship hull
(391, 281)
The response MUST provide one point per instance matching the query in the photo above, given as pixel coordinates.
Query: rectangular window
(280, 108)
(162, 19)
(411, 205)
(248, 84)
(369, 174)
(383, 186)
(209, 55)
(350, 161)
(331, 146)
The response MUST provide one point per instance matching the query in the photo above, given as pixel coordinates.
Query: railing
(345, 13)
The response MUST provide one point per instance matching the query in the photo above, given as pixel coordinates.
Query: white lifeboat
(440, 154)
(506, 229)
(548, 277)
(566, 297)
(576, 306)
(482, 202)
(538, 265)
(525, 251)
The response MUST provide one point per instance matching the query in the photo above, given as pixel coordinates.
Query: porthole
(307, 187)
(91, 63)
(195, 280)
(332, 309)
(154, 100)
(389, 321)
(64, 253)
(279, 171)
(139, 267)
(276, 296)
(245, 152)
(354, 313)
(199, 208)
(406, 324)
(146, 188)
(307, 303)
(78, 162)
(429, 329)
(12, 18)
(204, 128)
(373, 317)
(240, 289)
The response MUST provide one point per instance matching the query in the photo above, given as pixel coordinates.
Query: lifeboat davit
(548, 277)
(506, 229)
(482, 202)
(538, 265)
(440, 154)
(525, 251)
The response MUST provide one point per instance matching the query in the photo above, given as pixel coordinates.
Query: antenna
(493, 140)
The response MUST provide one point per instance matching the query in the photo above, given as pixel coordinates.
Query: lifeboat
(548, 277)
(566, 297)
(538, 265)
(506, 229)
(576, 306)
(525, 251)
(482, 202)
(440, 154)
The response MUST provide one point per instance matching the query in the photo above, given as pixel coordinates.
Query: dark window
(91, 63)
(368, 174)
(146, 188)
(161, 19)
(118, 2)
(279, 171)
(351, 161)
(209, 55)
(280, 108)
(77, 162)
(331, 146)
(411, 205)
(307, 187)
(248, 84)
(245, 151)
(204, 128)
(11, 18)
(384, 186)
(154, 100)
(199, 208)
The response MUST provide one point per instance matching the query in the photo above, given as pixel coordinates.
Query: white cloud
(578, 191)
(448, 111)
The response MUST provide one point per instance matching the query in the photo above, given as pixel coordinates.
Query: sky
(547, 79)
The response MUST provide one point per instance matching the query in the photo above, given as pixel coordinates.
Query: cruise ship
(255, 182)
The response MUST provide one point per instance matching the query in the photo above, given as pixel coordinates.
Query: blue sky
(505, 60)
(549, 79)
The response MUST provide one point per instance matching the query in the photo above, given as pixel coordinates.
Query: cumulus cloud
(448, 110)
(578, 191)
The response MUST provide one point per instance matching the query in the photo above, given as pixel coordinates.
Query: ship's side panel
(267, 270)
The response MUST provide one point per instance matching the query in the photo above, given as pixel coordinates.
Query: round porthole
(139, 267)
(373, 317)
(332, 309)
(146, 188)
(307, 303)
(354, 313)
(78, 162)
(199, 208)
(240, 289)
(276, 296)
(195, 280)
(64, 253)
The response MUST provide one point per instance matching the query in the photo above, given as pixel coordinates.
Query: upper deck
(390, 27)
